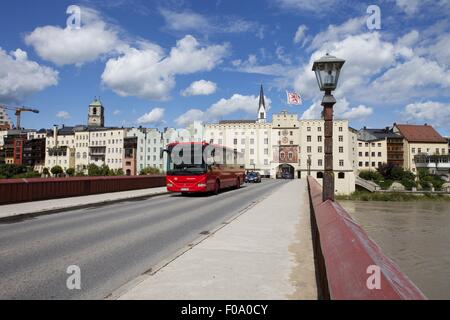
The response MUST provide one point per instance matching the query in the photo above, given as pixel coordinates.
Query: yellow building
(420, 140)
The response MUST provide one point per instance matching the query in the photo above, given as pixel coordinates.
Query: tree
(46, 172)
(150, 171)
(57, 170)
(70, 172)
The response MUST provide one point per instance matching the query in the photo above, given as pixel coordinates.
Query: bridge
(366, 184)
(274, 240)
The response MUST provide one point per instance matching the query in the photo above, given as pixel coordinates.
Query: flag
(293, 98)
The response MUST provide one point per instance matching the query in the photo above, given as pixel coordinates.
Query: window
(341, 163)
(242, 141)
(341, 149)
(341, 129)
(320, 162)
(266, 151)
(319, 175)
(308, 129)
(379, 144)
(360, 164)
(266, 162)
(319, 139)
(235, 141)
(308, 138)
(266, 141)
(319, 129)
(373, 154)
(252, 141)
(367, 164)
(341, 175)
(360, 154)
(341, 138)
(360, 144)
(252, 151)
(319, 149)
(373, 164)
(367, 154)
(379, 154)
(291, 133)
(308, 149)
(290, 155)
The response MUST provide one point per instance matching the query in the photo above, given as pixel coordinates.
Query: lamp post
(309, 164)
(327, 71)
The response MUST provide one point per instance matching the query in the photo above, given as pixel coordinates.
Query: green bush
(385, 184)
(149, 171)
(57, 170)
(370, 175)
(10, 170)
(408, 184)
(70, 172)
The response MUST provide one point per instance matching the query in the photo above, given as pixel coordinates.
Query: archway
(285, 171)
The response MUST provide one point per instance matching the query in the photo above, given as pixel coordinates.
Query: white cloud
(359, 112)
(189, 117)
(63, 115)
(20, 77)
(117, 112)
(251, 65)
(189, 21)
(64, 46)
(335, 33)
(409, 6)
(200, 88)
(147, 73)
(224, 107)
(307, 5)
(237, 102)
(300, 34)
(342, 110)
(410, 80)
(435, 113)
(155, 116)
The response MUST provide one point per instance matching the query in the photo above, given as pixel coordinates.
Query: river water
(416, 235)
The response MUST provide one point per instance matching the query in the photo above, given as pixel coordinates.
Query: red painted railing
(26, 190)
(348, 261)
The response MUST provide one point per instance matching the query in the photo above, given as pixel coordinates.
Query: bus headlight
(170, 184)
(201, 185)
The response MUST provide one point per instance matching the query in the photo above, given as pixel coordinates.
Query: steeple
(262, 101)
(262, 112)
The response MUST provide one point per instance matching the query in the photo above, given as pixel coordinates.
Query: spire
(262, 101)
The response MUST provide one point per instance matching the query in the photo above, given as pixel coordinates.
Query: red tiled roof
(420, 133)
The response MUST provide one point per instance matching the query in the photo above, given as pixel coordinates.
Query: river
(416, 235)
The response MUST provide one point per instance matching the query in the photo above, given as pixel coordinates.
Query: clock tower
(96, 115)
(262, 112)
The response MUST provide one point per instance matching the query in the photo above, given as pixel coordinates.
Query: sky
(168, 63)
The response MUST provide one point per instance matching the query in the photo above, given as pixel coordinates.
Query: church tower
(262, 112)
(96, 115)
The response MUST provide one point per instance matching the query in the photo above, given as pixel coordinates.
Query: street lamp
(328, 69)
(309, 164)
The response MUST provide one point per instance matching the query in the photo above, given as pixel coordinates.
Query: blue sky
(166, 63)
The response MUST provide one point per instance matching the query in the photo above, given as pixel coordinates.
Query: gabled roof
(376, 134)
(420, 133)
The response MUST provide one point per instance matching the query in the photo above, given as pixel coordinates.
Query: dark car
(253, 177)
(286, 175)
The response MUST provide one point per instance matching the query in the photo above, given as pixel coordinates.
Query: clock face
(285, 133)
(285, 140)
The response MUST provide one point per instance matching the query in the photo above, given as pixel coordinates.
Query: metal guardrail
(26, 190)
(346, 256)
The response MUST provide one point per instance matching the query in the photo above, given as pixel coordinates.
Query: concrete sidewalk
(265, 253)
(45, 206)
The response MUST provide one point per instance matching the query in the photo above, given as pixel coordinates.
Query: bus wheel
(217, 187)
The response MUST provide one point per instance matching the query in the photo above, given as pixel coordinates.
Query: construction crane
(18, 112)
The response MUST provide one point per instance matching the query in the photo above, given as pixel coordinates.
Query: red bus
(202, 167)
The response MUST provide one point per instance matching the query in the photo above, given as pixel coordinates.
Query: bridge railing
(26, 190)
(349, 265)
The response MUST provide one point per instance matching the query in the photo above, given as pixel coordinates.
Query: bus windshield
(187, 164)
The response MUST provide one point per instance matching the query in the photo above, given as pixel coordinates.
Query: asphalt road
(112, 244)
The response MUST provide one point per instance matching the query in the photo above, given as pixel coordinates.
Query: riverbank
(393, 196)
